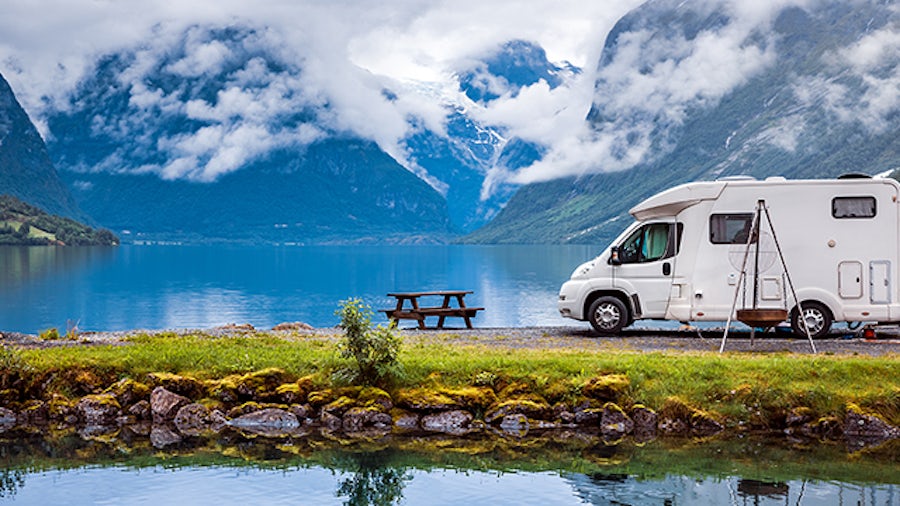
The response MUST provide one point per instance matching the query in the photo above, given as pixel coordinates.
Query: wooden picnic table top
(407, 295)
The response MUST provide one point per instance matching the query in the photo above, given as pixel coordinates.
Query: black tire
(818, 318)
(608, 315)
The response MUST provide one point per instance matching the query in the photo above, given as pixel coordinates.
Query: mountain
(461, 158)
(26, 170)
(339, 190)
(213, 136)
(23, 224)
(811, 110)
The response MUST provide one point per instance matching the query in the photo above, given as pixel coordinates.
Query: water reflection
(231, 468)
(370, 482)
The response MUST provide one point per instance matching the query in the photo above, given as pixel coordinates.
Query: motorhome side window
(654, 241)
(853, 207)
(730, 228)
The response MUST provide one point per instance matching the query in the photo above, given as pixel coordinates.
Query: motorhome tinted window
(651, 242)
(730, 228)
(853, 207)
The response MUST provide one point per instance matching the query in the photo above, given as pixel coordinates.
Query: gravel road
(886, 342)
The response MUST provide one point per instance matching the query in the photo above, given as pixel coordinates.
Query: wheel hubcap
(607, 316)
(814, 320)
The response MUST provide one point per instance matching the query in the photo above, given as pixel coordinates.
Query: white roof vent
(776, 179)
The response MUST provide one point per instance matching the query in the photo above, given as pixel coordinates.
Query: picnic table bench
(419, 313)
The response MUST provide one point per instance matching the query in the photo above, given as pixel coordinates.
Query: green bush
(374, 351)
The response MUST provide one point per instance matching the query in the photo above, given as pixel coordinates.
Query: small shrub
(50, 334)
(374, 351)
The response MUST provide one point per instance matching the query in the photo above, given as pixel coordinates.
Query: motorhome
(699, 252)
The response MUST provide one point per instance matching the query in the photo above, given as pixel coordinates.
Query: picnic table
(419, 313)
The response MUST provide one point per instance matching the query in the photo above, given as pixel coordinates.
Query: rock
(371, 397)
(531, 409)
(140, 410)
(589, 416)
(704, 425)
(128, 391)
(217, 420)
(269, 419)
(645, 422)
(181, 385)
(101, 409)
(161, 435)
(329, 421)
(798, 416)
(301, 411)
(339, 406)
(614, 422)
(406, 420)
(450, 422)
(605, 388)
(292, 326)
(825, 427)
(516, 424)
(426, 400)
(8, 417)
(35, 413)
(164, 405)
(192, 419)
(674, 426)
(358, 419)
(870, 427)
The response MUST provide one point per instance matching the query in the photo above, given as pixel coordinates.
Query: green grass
(734, 386)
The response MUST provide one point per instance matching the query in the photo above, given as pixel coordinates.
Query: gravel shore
(887, 341)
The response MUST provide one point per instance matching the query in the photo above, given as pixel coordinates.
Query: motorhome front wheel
(608, 315)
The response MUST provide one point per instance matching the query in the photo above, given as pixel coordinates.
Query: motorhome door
(646, 262)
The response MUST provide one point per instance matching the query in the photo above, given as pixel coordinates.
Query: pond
(559, 468)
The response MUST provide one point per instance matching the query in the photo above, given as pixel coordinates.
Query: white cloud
(349, 51)
(652, 83)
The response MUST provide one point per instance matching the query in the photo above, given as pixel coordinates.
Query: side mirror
(614, 256)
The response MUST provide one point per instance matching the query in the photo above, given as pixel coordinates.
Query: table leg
(462, 305)
(415, 305)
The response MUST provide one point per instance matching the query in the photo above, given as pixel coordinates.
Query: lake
(161, 287)
(124, 469)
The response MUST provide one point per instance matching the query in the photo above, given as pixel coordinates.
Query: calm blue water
(222, 486)
(156, 287)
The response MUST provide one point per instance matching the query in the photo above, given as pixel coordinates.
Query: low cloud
(655, 78)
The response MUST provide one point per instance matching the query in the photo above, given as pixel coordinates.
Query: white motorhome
(684, 257)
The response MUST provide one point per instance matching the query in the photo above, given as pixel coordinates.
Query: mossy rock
(250, 407)
(529, 408)
(320, 398)
(60, 407)
(224, 389)
(187, 386)
(128, 391)
(262, 384)
(340, 405)
(372, 397)
(678, 417)
(473, 398)
(608, 387)
(422, 399)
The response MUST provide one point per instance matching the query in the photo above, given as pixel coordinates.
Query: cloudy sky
(352, 49)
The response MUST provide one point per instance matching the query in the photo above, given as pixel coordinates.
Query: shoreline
(556, 337)
(512, 381)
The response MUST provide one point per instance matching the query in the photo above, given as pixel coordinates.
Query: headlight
(583, 269)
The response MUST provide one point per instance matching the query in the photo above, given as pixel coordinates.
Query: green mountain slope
(25, 167)
(23, 224)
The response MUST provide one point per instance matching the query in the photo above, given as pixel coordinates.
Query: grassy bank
(755, 390)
